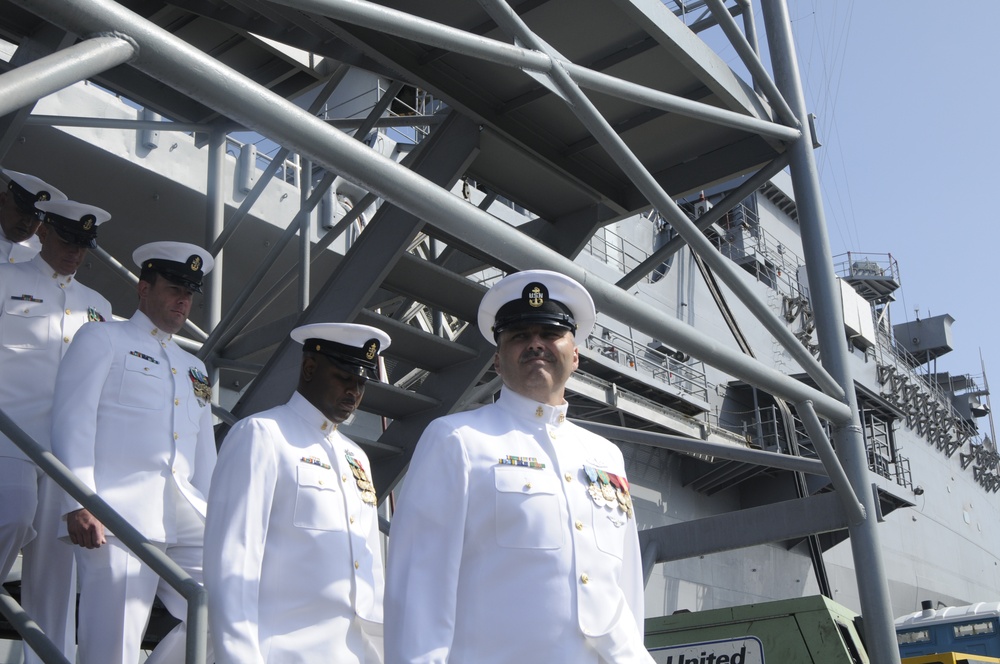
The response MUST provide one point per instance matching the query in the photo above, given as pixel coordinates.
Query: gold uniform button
(66, 339)
(343, 478)
(67, 312)
(321, 482)
(527, 486)
(177, 402)
(173, 370)
(176, 435)
(584, 578)
(569, 478)
(579, 525)
(352, 519)
(356, 564)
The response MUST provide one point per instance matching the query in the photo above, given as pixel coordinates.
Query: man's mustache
(535, 353)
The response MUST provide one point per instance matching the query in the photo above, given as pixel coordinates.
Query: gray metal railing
(159, 562)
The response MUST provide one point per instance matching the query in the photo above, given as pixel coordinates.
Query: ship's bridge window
(975, 628)
(914, 636)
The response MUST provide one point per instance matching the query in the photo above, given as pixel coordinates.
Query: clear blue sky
(906, 99)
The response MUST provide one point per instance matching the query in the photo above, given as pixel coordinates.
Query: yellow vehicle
(951, 658)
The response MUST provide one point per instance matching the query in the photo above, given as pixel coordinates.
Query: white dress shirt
(498, 552)
(128, 421)
(293, 563)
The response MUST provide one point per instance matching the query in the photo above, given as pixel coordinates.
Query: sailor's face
(335, 391)
(62, 256)
(165, 303)
(17, 226)
(536, 360)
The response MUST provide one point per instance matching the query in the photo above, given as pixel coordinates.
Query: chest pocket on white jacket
(610, 527)
(142, 385)
(319, 503)
(25, 325)
(528, 514)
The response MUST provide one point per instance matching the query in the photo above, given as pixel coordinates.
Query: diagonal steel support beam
(275, 163)
(852, 507)
(749, 56)
(613, 144)
(732, 199)
(34, 80)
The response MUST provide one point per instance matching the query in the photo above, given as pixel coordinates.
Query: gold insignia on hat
(88, 221)
(318, 346)
(536, 297)
(43, 196)
(372, 349)
(195, 263)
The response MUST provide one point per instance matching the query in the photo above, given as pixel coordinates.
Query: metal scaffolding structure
(602, 169)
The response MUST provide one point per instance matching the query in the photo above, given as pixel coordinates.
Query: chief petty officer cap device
(28, 190)
(537, 297)
(179, 262)
(76, 223)
(352, 347)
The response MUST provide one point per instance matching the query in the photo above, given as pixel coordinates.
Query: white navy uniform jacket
(41, 312)
(131, 417)
(493, 562)
(293, 563)
(18, 252)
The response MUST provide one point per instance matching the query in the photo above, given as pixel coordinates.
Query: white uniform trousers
(48, 574)
(117, 591)
(19, 501)
(30, 523)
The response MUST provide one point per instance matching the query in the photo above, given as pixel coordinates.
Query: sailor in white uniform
(293, 563)
(43, 307)
(19, 218)
(132, 418)
(514, 539)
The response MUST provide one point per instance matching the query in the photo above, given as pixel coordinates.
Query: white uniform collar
(311, 414)
(524, 408)
(146, 325)
(48, 272)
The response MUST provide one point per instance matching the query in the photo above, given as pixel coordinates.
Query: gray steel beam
(34, 80)
(114, 123)
(215, 207)
(873, 589)
(852, 506)
(775, 522)
(716, 450)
